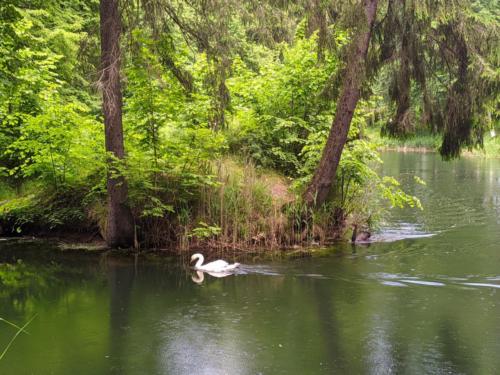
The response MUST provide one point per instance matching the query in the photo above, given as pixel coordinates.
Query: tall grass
(244, 209)
(251, 208)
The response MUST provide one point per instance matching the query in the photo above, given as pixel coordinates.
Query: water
(426, 300)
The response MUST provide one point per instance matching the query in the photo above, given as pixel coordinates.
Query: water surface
(426, 300)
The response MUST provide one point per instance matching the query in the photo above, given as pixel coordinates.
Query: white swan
(216, 266)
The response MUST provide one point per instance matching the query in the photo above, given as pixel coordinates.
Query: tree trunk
(321, 184)
(400, 126)
(120, 224)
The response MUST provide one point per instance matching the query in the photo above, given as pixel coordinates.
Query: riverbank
(242, 208)
(238, 207)
(430, 143)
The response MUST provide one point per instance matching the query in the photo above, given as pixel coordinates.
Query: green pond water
(424, 300)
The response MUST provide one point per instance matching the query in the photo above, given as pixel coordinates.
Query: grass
(430, 142)
(492, 146)
(244, 209)
(6, 192)
(421, 142)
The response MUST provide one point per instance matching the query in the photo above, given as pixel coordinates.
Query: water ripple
(400, 280)
(401, 231)
(483, 285)
(423, 282)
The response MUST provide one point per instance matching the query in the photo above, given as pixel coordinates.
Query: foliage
(39, 67)
(205, 231)
(59, 144)
(48, 211)
(276, 109)
(442, 74)
(359, 189)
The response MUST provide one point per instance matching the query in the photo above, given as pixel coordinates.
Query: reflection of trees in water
(34, 270)
(425, 331)
(330, 326)
(452, 349)
(121, 279)
(20, 282)
(282, 322)
(194, 345)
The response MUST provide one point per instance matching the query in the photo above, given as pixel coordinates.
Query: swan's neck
(200, 261)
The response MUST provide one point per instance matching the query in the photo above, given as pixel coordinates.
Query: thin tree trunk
(317, 21)
(120, 225)
(400, 124)
(321, 184)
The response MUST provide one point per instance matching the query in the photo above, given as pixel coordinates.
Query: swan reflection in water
(199, 276)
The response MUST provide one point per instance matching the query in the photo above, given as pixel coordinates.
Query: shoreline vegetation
(244, 209)
(427, 142)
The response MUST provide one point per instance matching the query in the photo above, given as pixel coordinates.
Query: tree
(442, 59)
(319, 189)
(120, 223)
(446, 45)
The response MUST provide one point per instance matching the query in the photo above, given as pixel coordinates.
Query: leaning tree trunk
(321, 184)
(120, 224)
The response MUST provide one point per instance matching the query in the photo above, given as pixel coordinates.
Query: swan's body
(215, 266)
